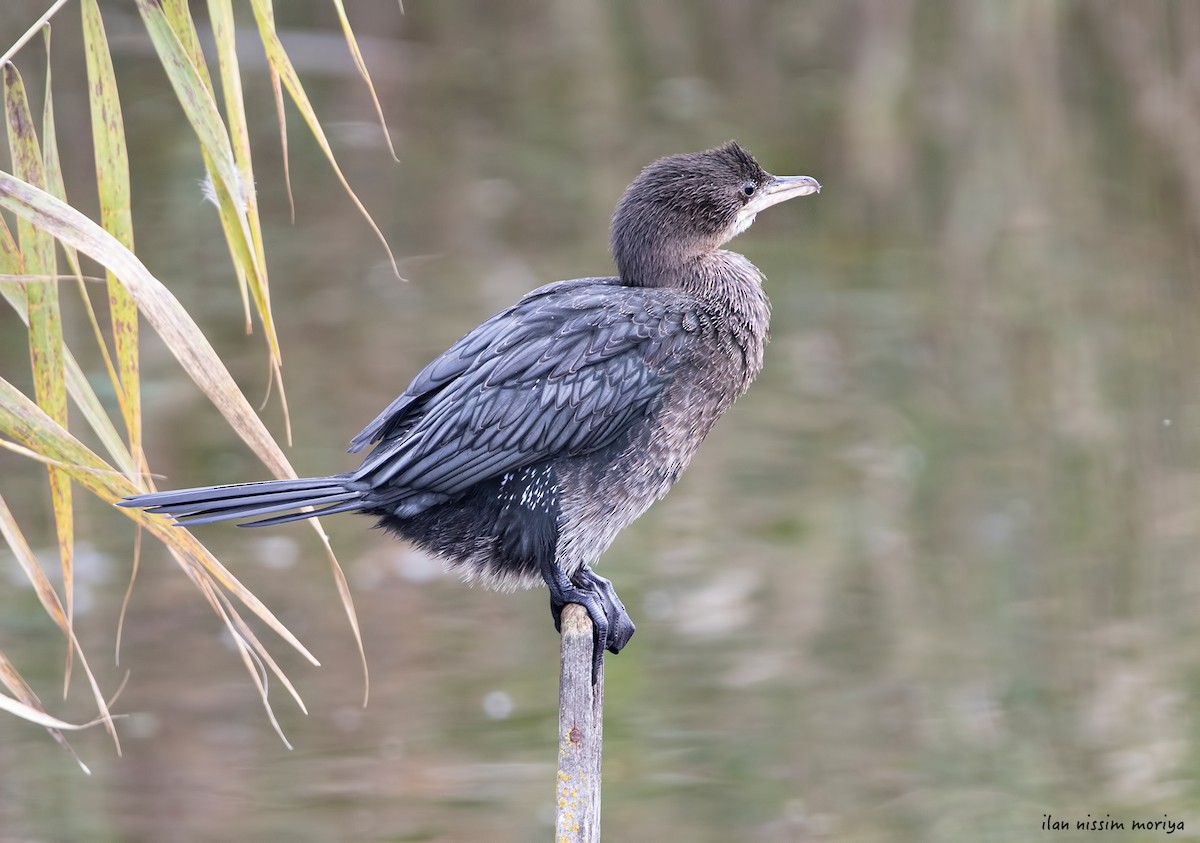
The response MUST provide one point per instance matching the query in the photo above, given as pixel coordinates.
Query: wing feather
(564, 371)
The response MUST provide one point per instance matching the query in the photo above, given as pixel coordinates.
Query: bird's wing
(564, 371)
(399, 416)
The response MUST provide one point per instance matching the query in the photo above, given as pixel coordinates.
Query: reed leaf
(45, 323)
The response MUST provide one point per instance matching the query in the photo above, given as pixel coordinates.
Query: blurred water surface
(933, 579)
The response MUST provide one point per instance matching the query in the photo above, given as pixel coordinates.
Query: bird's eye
(748, 188)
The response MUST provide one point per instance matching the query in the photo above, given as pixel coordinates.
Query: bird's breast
(608, 491)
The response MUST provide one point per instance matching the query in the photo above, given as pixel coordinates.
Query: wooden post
(580, 733)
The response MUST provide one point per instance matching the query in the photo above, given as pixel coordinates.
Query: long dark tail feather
(246, 500)
(333, 509)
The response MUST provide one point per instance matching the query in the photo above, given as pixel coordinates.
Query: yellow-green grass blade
(112, 184)
(281, 119)
(38, 715)
(11, 678)
(255, 657)
(21, 450)
(343, 587)
(181, 335)
(201, 111)
(173, 33)
(277, 58)
(80, 390)
(361, 65)
(220, 14)
(229, 227)
(253, 654)
(23, 421)
(15, 539)
(179, 17)
(30, 33)
(45, 323)
(53, 180)
(12, 265)
(112, 180)
(13, 536)
(78, 386)
(39, 432)
(161, 309)
(24, 703)
(51, 158)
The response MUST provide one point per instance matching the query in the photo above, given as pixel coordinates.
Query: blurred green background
(933, 578)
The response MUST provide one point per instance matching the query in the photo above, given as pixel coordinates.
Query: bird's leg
(612, 626)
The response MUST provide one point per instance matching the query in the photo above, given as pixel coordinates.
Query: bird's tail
(248, 500)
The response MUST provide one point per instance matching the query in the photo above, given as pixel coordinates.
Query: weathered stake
(580, 733)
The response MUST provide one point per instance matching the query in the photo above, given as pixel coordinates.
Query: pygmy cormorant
(521, 452)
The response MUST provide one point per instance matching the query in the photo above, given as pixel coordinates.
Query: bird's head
(683, 206)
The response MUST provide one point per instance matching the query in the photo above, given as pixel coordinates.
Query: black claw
(597, 661)
(618, 625)
(612, 626)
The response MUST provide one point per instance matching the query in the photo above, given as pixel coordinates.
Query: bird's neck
(725, 275)
(733, 287)
(697, 268)
(730, 286)
(731, 295)
(728, 283)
